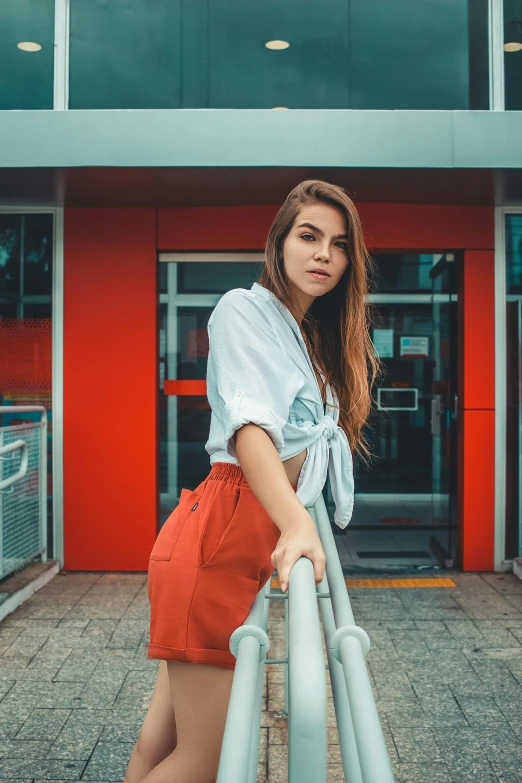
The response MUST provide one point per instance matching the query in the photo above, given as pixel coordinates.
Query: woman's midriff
(293, 467)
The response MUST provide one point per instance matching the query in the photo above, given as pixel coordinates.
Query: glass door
(443, 411)
(190, 285)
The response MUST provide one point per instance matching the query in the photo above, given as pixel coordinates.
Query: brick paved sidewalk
(445, 667)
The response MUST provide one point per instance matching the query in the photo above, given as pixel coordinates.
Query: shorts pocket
(220, 512)
(173, 525)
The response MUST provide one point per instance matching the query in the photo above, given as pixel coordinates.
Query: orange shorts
(210, 559)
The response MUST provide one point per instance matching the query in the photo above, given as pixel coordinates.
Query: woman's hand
(299, 540)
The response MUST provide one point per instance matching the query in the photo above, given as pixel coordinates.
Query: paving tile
(61, 695)
(41, 768)
(109, 761)
(23, 749)
(416, 745)
(422, 773)
(124, 726)
(78, 667)
(75, 750)
(43, 724)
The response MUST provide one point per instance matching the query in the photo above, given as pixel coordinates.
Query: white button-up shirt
(259, 371)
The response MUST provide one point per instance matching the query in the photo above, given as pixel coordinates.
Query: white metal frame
(496, 55)
(61, 54)
(57, 295)
(501, 564)
(174, 300)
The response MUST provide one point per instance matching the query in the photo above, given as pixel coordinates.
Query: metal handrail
(24, 461)
(363, 749)
(14, 503)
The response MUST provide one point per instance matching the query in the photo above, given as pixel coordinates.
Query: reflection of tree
(35, 255)
(8, 240)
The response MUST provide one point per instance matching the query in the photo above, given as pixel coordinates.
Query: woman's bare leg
(157, 738)
(201, 694)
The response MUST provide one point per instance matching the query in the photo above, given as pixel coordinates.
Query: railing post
(307, 738)
(350, 644)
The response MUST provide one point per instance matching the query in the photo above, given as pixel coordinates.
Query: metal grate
(22, 504)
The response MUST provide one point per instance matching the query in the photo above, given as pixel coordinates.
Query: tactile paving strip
(442, 581)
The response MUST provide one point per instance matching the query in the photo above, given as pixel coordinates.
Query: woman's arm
(268, 481)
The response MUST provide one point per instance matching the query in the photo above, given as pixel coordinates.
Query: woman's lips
(318, 276)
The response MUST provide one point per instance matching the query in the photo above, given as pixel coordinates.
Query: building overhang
(194, 157)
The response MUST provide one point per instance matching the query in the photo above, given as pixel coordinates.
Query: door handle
(435, 421)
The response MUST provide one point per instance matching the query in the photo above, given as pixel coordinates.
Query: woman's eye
(344, 245)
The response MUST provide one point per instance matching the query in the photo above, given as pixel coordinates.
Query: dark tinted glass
(216, 278)
(26, 78)
(514, 254)
(513, 57)
(342, 54)
(513, 428)
(407, 273)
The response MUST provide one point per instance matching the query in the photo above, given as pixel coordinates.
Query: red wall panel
(111, 487)
(477, 490)
(477, 408)
(386, 226)
(110, 405)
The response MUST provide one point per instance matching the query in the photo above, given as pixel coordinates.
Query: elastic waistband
(229, 473)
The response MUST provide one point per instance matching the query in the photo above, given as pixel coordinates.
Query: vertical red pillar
(109, 385)
(477, 409)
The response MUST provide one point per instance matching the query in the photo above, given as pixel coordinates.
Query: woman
(289, 378)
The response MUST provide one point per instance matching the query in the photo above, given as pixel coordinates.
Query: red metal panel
(479, 329)
(477, 490)
(386, 226)
(477, 409)
(185, 388)
(110, 394)
(111, 490)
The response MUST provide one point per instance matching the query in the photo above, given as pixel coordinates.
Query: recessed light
(277, 45)
(512, 47)
(279, 108)
(29, 46)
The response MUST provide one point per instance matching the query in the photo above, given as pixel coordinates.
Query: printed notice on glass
(383, 343)
(414, 346)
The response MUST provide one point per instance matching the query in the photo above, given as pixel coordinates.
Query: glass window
(406, 273)
(361, 54)
(126, 54)
(26, 258)
(26, 74)
(218, 277)
(513, 545)
(513, 54)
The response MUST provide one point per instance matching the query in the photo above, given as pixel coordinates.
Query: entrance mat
(387, 555)
(426, 581)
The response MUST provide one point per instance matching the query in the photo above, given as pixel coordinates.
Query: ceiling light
(29, 46)
(512, 47)
(277, 44)
(279, 108)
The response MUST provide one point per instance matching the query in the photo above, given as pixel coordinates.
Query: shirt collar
(268, 296)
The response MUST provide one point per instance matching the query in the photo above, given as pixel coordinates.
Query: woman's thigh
(158, 735)
(201, 694)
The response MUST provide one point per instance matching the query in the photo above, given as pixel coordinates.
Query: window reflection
(26, 77)
(342, 54)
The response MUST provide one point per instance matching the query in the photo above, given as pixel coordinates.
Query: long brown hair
(336, 325)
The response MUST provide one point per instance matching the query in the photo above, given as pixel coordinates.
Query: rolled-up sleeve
(250, 378)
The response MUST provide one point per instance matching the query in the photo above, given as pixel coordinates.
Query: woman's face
(322, 244)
